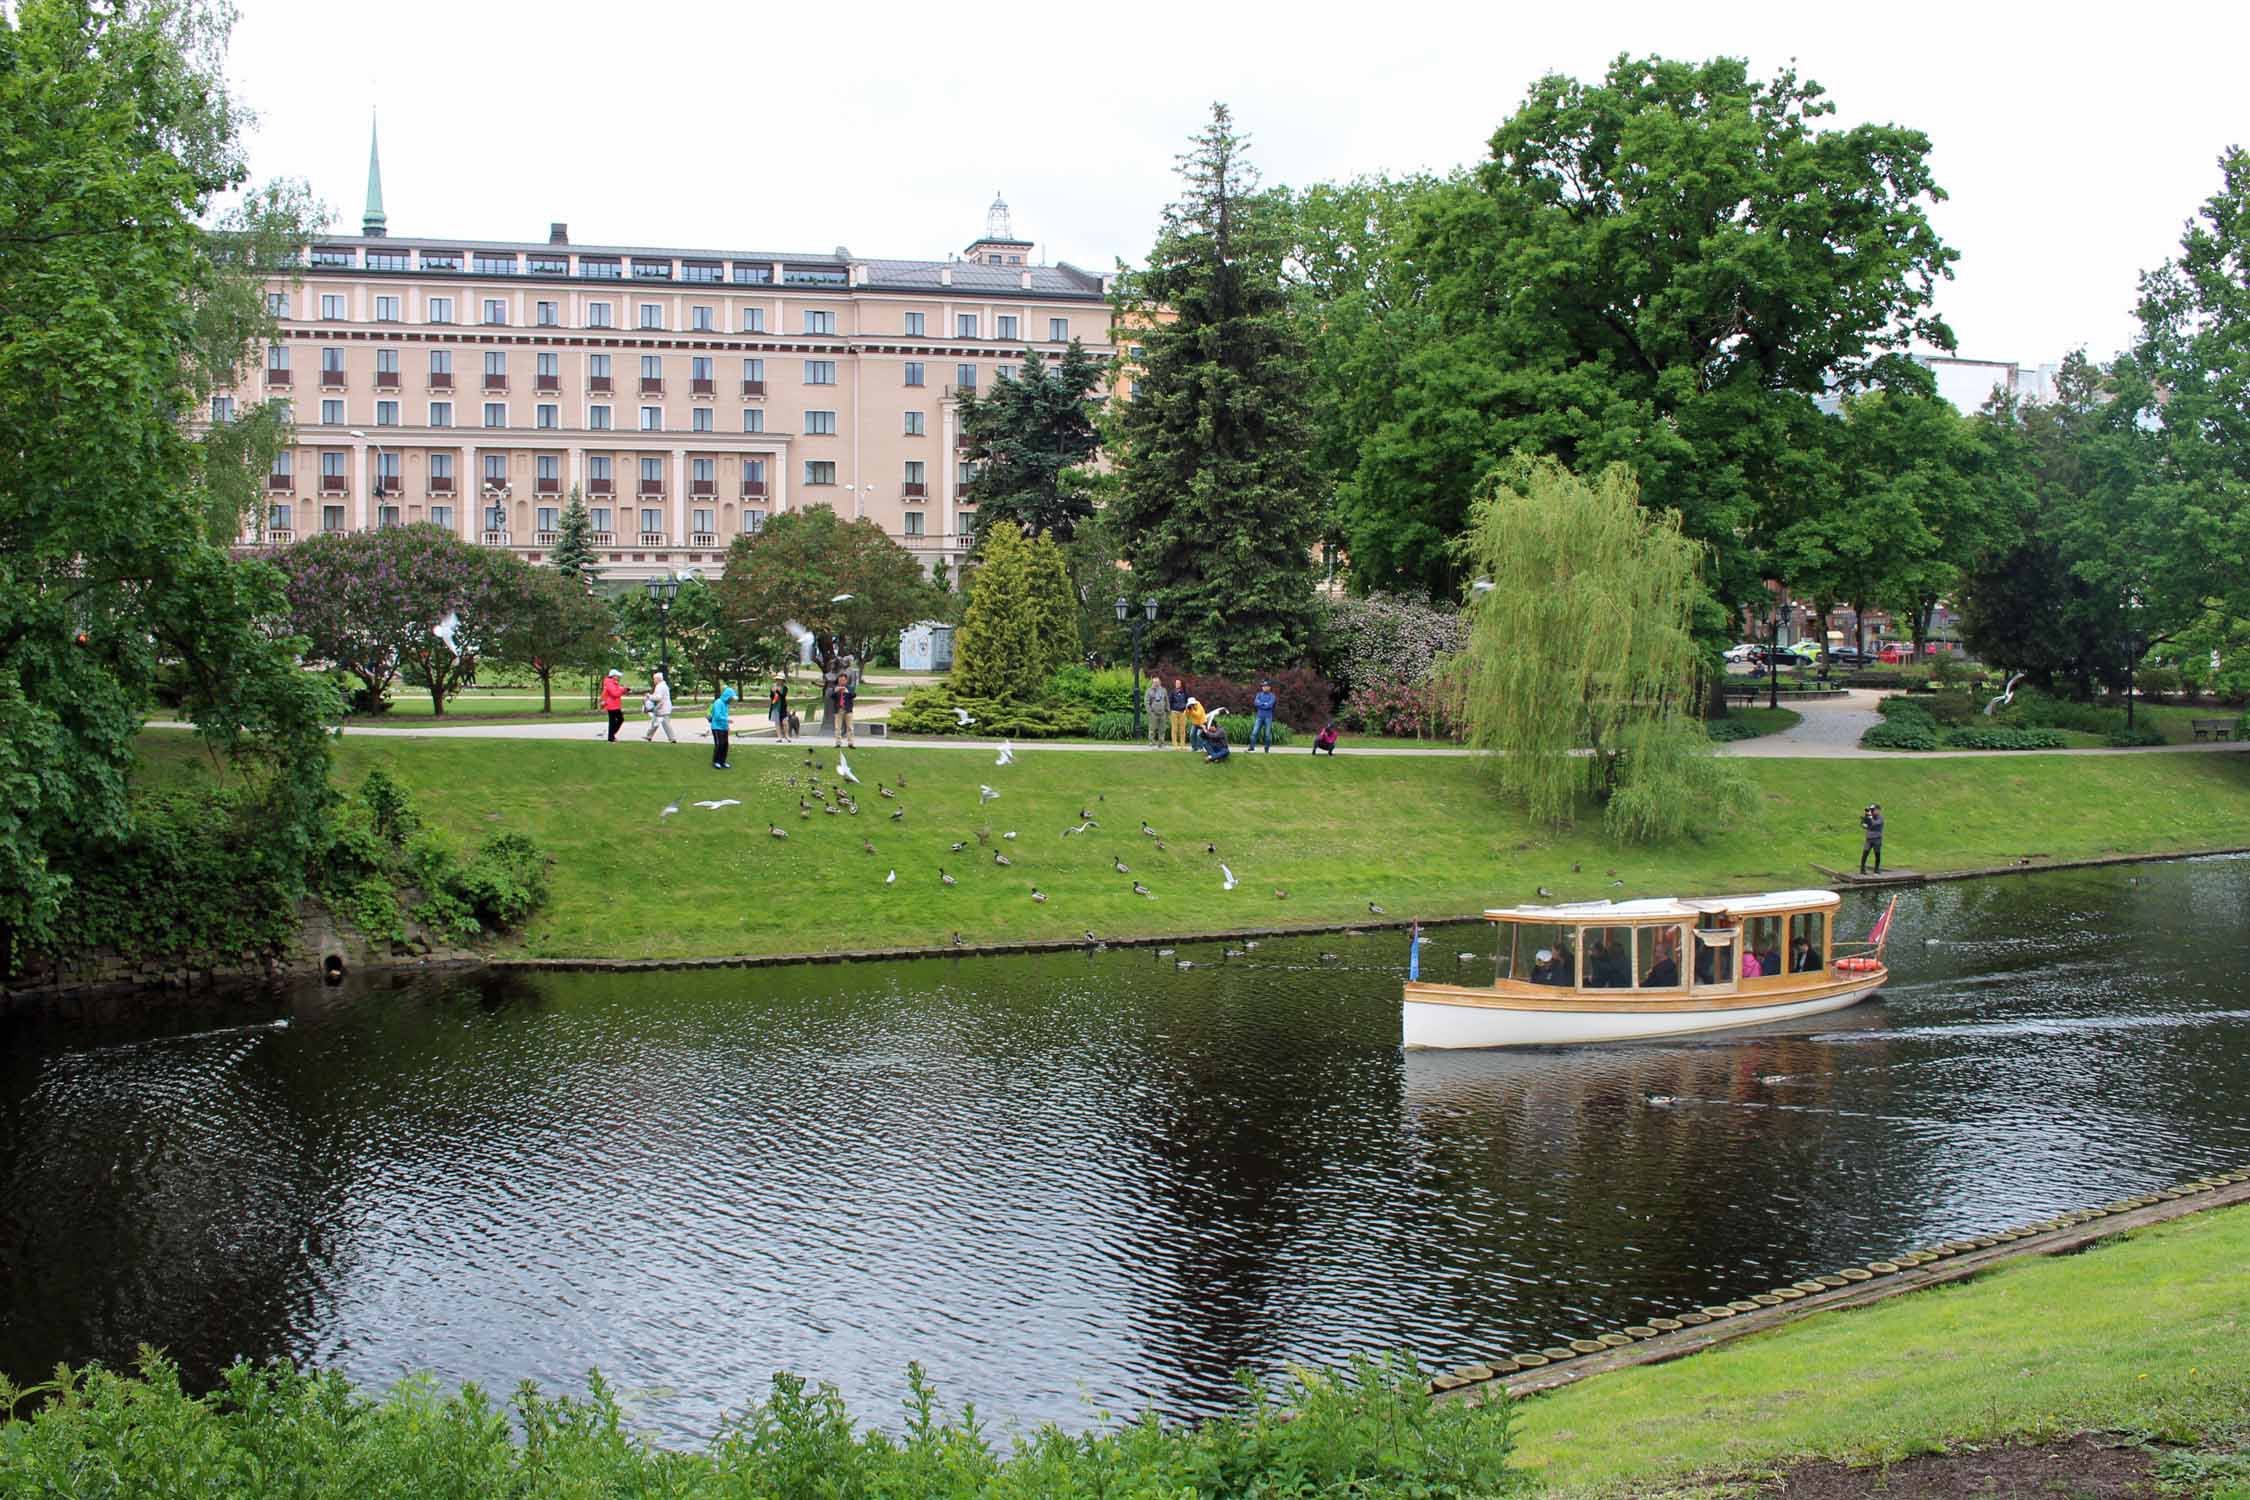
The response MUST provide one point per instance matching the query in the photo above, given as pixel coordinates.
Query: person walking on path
(613, 702)
(847, 694)
(659, 705)
(1177, 706)
(1872, 821)
(721, 719)
(1261, 723)
(1158, 705)
(777, 707)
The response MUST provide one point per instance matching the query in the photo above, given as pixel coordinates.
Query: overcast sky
(2072, 153)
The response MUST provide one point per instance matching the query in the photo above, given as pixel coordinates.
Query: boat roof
(1655, 908)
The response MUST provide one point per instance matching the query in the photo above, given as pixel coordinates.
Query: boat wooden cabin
(1602, 971)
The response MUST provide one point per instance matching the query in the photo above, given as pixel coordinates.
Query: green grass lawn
(1420, 836)
(2149, 1334)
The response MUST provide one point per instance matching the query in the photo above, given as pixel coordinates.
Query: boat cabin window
(1609, 958)
(1657, 956)
(1560, 967)
(1808, 942)
(1761, 947)
(1714, 958)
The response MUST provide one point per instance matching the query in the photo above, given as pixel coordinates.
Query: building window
(914, 471)
(700, 420)
(915, 372)
(817, 321)
(701, 270)
(386, 414)
(284, 410)
(702, 522)
(597, 467)
(496, 364)
(441, 309)
(495, 413)
(913, 523)
(386, 260)
(753, 521)
(914, 424)
(441, 471)
(753, 419)
(495, 310)
(441, 362)
(811, 276)
(652, 419)
(754, 371)
(222, 408)
(820, 424)
(699, 367)
(1138, 351)
(495, 470)
(652, 521)
(386, 363)
(652, 367)
(597, 315)
(277, 356)
(598, 268)
(284, 466)
(820, 471)
(913, 325)
(702, 471)
(332, 307)
(753, 275)
(386, 477)
(965, 525)
(441, 260)
(332, 518)
(549, 365)
(965, 376)
(332, 412)
(652, 315)
(387, 309)
(820, 372)
(964, 473)
(331, 361)
(550, 469)
(1006, 326)
(651, 270)
(547, 414)
(699, 319)
(600, 516)
(441, 414)
(488, 263)
(1058, 330)
(753, 320)
(597, 418)
(550, 314)
(548, 265)
(331, 469)
(277, 517)
(964, 325)
(277, 304)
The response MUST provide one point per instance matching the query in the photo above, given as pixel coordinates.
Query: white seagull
(444, 630)
(722, 802)
(985, 794)
(844, 769)
(670, 808)
(965, 717)
(2007, 695)
(1229, 874)
(891, 879)
(1007, 753)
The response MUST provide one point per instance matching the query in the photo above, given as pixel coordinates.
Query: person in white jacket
(658, 703)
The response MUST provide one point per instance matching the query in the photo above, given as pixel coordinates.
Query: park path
(1829, 730)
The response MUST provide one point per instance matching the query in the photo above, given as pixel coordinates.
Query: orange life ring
(1859, 965)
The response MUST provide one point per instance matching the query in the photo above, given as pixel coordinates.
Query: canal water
(1074, 1183)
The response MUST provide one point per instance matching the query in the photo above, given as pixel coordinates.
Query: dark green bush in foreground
(1902, 732)
(1368, 1433)
(2003, 739)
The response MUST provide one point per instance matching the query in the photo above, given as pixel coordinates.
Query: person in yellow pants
(1179, 705)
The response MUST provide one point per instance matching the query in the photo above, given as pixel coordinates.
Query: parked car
(1848, 658)
(1747, 651)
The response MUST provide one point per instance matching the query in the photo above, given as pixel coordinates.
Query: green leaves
(1021, 625)
(1029, 436)
(796, 567)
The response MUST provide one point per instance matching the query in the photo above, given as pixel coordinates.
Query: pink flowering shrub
(1385, 636)
(1408, 710)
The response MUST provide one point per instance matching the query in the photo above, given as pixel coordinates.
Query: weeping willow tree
(1580, 669)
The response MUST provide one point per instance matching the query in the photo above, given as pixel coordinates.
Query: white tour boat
(1617, 971)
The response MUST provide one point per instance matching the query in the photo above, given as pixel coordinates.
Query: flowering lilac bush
(1409, 710)
(1386, 636)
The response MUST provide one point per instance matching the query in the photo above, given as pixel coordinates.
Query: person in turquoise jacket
(720, 719)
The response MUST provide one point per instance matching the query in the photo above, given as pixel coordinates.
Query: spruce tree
(573, 555)
(1217, 501)
(1028, 436)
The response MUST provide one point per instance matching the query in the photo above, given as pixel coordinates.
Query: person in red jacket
(613, 702)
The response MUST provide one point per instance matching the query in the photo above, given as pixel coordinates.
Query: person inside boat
(1608, 965)
(1664, 974)
(1551, 966)
(1803, 957)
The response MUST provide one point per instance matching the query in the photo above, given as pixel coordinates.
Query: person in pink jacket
(613, 702)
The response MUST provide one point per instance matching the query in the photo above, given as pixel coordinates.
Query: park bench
(2212, 729)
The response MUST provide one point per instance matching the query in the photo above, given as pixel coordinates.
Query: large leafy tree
(2189, 374)
(1022, 621)
(1662, 269)
(1217, 502)
(708, 644)
(371, 602)
(123, 310)
(551, 621)
(1029, 437)
(1580, 667)
(846, 582)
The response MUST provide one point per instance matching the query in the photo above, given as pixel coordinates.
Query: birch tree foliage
(1581, 664)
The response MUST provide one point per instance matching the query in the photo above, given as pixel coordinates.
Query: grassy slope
(2149, 1334)
(1422, 837)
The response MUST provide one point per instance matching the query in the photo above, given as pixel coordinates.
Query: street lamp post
(1773, 655)
(661, 592)
(378, 447)
(1127, 615)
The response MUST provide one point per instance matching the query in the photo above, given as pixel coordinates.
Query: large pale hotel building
(687, 395)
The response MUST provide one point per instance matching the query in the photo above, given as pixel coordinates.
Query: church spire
(372, 223)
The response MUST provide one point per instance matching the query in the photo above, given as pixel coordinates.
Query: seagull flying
(670, 808)
(444, 630)
(1081, 828)
(841, 599)
(2007, 694)
(797, 632)
(965, 717)
(1007, 754)
(722, 802)
(1481, 586)
(985, 794)
(891, 879)
(1229, 874)
(844, 769)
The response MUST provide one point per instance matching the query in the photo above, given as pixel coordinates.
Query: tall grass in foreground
(1371, 1431)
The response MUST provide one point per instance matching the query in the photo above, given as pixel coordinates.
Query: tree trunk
(546, 688)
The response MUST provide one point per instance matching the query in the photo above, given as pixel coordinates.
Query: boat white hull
(1484, 1021)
